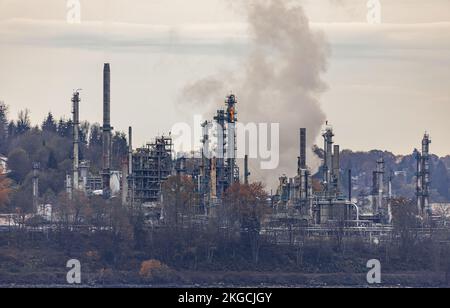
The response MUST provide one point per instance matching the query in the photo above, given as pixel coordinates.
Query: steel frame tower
(76, 139)
(378, 186)
(328, 159)
(423, 177)
(231, 117)
(221, 177)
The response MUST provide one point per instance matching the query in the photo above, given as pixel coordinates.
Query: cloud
(212, 37)
(119, 36)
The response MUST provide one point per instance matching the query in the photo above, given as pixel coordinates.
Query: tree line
(49, 144)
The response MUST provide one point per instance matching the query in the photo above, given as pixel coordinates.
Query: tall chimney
(130, 167)
(390, 215)
(124, 182)
(246, 170)
(336, 166)
(76, 139)
(106, 130)
(302, 159)
(130, 151)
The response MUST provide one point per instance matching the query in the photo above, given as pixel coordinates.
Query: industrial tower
(423, 177)
(106, 137)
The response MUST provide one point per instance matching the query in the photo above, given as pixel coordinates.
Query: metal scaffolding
(423, 177)
(152, 165)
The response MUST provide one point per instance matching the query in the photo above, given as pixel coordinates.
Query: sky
(386, 84)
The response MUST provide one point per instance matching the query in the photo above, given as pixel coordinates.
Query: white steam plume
(280, 81)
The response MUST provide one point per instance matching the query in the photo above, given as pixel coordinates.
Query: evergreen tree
(84, 132)
(119, 148)
(12, 131)
(439, 177)
(52, 161)
(65, 128)
(49, 124)
(95, 136)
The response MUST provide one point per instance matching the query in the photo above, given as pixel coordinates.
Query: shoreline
(246, 280)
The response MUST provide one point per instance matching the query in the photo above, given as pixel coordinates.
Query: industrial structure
(226, 171)
(423, 177)
(313, 199)
(106, 174)
(36, 167)
(327, 205)
(151, 165)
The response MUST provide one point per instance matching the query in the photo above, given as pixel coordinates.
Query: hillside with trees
(401, 169)
(50, 145)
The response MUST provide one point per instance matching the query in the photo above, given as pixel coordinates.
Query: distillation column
(232, 173)
(205, 167)
(380, 184)
(336, 169)
(423, 177)
(76, 140)
(220, 152)
(426, 175)
(328, 158)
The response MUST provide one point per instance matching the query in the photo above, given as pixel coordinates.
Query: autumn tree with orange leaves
(179, 200)
(247, 206)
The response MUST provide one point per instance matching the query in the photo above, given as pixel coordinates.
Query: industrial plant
(312, 200)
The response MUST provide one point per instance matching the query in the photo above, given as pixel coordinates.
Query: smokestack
(130, 151)
(106, 130)
(280, 26)
(106, 95)
(213, 178)
(336, 166)
(124, 182)
(76, 139)
(246, 172)
(390, 215)
(302, 158)
(336, 160)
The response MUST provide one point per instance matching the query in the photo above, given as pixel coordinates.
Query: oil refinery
(312, 200)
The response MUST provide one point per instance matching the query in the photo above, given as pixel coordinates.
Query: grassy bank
(41, 260)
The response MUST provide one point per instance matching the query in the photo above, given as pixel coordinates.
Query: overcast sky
(387, 84)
